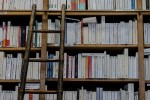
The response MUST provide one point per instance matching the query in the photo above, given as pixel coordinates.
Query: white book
(93, 33)
(79, 65)
(14, 68)
(144, 4)
(57, 27)
(65, 65)
(50, 5)
(55, 5)
(91, 5)
(136, 33)
(1, 63)
(89, 2)
(73, 67)
(89, 33)
(145, 33)
(68, 4)
(103, 29)
(97, 34)
(32, 86)
(94, 4)
(1, 6)
(78, 33)
(59, 4)
(89, 20)
(85, 35)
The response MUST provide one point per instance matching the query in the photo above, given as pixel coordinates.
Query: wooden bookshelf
(45, 13)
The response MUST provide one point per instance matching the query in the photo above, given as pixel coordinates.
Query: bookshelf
(45, 14)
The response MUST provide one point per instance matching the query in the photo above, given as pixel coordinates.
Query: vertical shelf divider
(43, 49)
(141, 52)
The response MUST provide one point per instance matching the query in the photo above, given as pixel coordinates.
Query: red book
(30, 96)
(73, 5)
(89, 67)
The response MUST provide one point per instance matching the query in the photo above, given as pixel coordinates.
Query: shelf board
(96, 46)
(94, 12)
(71, 12)
(18, 12)
(17, 81)
(76, 12)
(95, 80)
(147, 81)
(146, 12)
(147, 45)
(18, 49)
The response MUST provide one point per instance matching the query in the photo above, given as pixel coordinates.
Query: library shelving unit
(139, 47)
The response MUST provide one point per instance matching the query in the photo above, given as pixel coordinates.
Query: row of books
(74, 4)
(20, 4)
(146, 33)
(82, 94)
(11, 67)
(94, 32)
(112, 4)
(70, 4)
(76, 33)
(96, 65)
(81, 65)
(16, 36)
(8, 94)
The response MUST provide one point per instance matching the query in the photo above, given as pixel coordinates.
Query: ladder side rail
(61, 56)
(26, 56)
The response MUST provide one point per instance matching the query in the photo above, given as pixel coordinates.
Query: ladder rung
(47, 31)
(42, 60)
(40, 92)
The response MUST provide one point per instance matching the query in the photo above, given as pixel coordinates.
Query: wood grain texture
(141, 58)
(43, 50)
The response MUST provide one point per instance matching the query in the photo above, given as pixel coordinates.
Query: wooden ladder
(26, 59)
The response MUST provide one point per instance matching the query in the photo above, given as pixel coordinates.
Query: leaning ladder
(26, 59)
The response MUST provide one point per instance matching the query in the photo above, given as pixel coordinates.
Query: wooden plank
(43, 60)
(24, 68)
(96, 47)
(99, 45)
(40, 92)
(17, 81)
(18, 13)
(47, 31)
(141, 58)
(61, 55)
(95, 80)
(146, 45)
(43, 50)
(94, 12)
(139, 6)
(75, 12)
(19, 49)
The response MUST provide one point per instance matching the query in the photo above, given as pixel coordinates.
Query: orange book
(73, 5)
(30, 96)
(5, 41)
